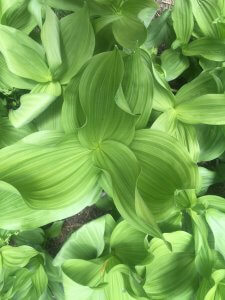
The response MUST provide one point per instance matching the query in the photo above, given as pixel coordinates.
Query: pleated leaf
(40, 281)
(15, 214)
(137, 86)
(183, 21)
(165, 167)
(78, 43)
(211, 49)
(24, 56)
(206, 109)
(213, 201)
(98, 89)
(67, 176)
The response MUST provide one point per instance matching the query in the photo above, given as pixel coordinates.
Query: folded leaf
(173, 63)
(212, 201)
(24, 56)
(67, 176)
(211, 49)
(165, 167)
(50, 35)
(137, 86)
(206, 109)
(104, 116)
(40, 281)
(78, 43)
(183, 21)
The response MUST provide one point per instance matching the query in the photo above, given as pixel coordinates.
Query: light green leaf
(34, 103)
(65, 4)
(50, 35)
(129, 31)
(78, 43)
(205, 83)
(165, 167)
(126, 239)
(183, 21)
(104, 116)
(40, 281)
(171, 276)
(16, 256)
(173, 63)
(137, 86)
(217, 291)
(216, 221)
(212, 201)
(67, 175)
(211, 49)
(9, 135)
(24, 56)
(211, 141)
(121, 171)
(54, 230)
(87, 242)
(206, 109)
(184, 133)
(205, 13)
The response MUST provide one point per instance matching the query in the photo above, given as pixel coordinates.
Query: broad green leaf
(171, 276)
(24, 56)
(40, 281)
(206, 178)
(206, 109)
(70, 5)
(126, 239)
(9, 135)
(78, 43)
(87, 242)
(211, 49)
(203, 254)
(50, 35)
(173, 63)
(34, 103)
(216, 221)
(137, 86)
(67, 175)
(129, 31)
(11, 80)
(184, 133)
(165, 167)
(205, 13)
(212, 201)
(101, 103)
(17, 256)
(183, 21)
(205, 83)
(217, 291)
(211, 141)
(158, 31)
(72, 114)
(121, 170)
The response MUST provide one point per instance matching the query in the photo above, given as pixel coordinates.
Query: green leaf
(212, 201)
(173, 63)
(87, 242)
(40, 281)
(217, 291)
(15, 214)
(205, 83)
(50, 35)
(54, 230)
(184, 133)
(216, 221)
(137, 86)
(211, 141)
(205, 13)
(206, 109)
(65, 4)
(24, 56)
(78, 43)
(165, 168)
(183, 21)
(211, 49)
(129, 31)
(16, 256)
(67, 176)
(126, 239)
(104, 116)
(171, 276)
(120, 171)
